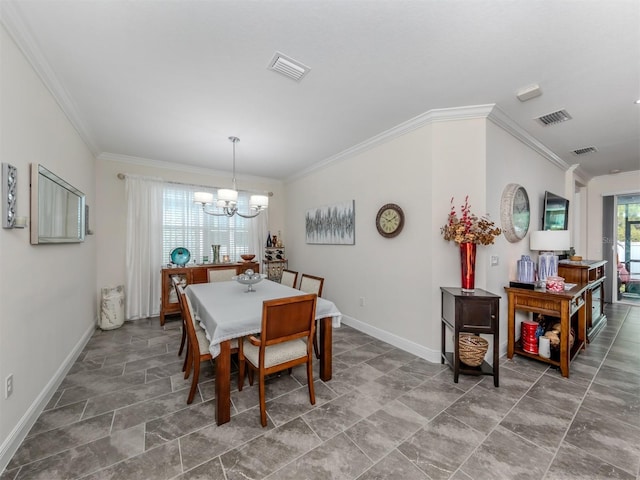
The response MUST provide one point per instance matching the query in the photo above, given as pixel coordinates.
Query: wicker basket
(472, 349)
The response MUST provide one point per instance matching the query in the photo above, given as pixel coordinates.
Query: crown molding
(21, 34)
(489, 111)
(503, 121)
(436, 115)
(179, 167)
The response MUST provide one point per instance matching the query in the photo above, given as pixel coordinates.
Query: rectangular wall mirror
(57, 209)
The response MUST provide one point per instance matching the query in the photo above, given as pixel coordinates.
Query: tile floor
(121, 413)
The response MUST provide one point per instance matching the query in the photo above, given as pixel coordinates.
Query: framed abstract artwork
(331, 224)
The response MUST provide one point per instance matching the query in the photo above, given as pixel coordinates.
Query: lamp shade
(202, 197)
(550, 240)
(259, 201)
(228, 195)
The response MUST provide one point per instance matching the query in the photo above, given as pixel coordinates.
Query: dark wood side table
(477, 312)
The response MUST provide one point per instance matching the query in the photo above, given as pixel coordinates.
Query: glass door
(628, 247)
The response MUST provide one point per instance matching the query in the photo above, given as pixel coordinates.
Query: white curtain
(258, 238)
(143, 246)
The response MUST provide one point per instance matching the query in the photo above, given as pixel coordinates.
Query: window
(184, 224)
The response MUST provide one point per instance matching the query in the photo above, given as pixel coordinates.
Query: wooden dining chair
(221, 274)
(198, 346)
(184, 344)
(175, 280)
(288, 325)
(289, 278)
(312, 284)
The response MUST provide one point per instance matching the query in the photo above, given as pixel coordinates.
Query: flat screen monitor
(556, 212)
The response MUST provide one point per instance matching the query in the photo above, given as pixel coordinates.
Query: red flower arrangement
(469, 228)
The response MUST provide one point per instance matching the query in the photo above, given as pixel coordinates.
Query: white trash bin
(112, 307)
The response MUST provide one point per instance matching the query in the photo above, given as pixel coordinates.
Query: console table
(476, 312)
(568, 306)
(192, 274)
(590, 272)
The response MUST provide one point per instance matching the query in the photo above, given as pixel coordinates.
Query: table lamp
(547, 242)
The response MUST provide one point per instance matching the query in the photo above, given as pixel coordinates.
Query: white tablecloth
(226, 310)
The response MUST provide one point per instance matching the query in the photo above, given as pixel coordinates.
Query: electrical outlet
(495, 260)
(362, 301)
(8, 387)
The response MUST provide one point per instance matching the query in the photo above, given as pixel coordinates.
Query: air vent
(554, 118)
(288, 67)
(584, 151)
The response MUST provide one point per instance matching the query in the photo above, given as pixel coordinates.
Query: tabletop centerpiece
(249, 278)
(468, 230)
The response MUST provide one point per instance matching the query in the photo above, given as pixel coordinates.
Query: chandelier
(228, 198)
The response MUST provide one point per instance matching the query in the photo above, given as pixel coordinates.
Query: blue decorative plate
(180, 256)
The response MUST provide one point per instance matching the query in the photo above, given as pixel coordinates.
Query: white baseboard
(402, 343)
(18, 434)
(421, 351)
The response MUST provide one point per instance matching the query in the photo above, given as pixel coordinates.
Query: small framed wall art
(9, 195)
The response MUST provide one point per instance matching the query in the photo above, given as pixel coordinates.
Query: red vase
(468, 266)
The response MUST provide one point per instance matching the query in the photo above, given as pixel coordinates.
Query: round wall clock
(390, 220)
(515, 212)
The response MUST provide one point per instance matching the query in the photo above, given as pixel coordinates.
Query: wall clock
(515, 212)
(390, 220)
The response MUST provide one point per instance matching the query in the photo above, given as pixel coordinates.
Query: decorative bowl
(555, 284)
(180, 256)
(247, 257)
(249, 278)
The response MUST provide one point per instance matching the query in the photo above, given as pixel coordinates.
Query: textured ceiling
(171, 80)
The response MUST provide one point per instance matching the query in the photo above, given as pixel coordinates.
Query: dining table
(227, 310)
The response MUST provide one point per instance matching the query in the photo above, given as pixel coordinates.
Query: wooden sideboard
(568, 306)
(189, 275)
(590, 272)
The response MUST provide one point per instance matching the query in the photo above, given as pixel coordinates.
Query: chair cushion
(276, 354)
(203, 342)
(310, 285)
(287, 279)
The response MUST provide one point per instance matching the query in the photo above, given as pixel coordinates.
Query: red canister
(528, 336)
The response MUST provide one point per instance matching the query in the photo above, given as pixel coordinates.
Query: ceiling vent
(288, 67)
(554, 118)
(584, 151)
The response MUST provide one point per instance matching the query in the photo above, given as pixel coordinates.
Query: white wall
(511, 161)
(109, 220)
(421, 171)
(46, 291)
(385, 272)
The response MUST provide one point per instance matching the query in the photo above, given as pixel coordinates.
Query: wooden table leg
(326, 348)
(496, 357)
(511, 326)
(223, 383)
(565, 328)
(581, 334)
